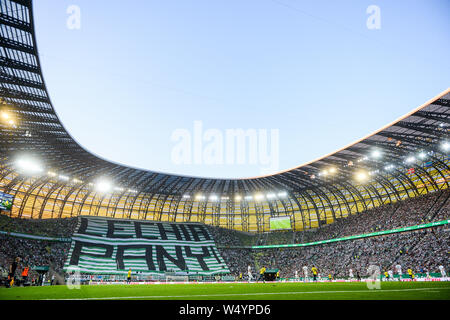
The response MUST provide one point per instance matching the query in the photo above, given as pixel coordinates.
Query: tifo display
(108, 246)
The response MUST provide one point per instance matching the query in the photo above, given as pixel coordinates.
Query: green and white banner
(112, 246)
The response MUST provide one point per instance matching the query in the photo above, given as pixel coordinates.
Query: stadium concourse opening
(378, 207)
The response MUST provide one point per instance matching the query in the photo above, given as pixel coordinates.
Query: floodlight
(103, 186)
(361, 176)
(282, 194)
(376, 154)
(259, 196)
(199, 197)
(29, 165)
(410, 159)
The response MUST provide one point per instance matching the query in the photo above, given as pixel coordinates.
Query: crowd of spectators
(226, 237)
(58, 228)
(33, 253)
(410, 212)
(419, 250)
(423, 249)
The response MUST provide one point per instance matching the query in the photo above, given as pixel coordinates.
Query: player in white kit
(391, 275)
(399, 271)
(305, 273)
(350, 274)
(249, 272)
(442, 270)
(296, 275)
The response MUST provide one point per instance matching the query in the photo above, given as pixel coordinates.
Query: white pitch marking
(252, 294)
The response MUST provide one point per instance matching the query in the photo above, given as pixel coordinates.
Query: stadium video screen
(280, 223)
(6, 201)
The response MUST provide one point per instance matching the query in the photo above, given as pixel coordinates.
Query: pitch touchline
(251, 294)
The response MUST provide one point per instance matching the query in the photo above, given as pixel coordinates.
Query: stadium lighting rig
(361, 176)
(445, 146)
(282, 194)
(410, 159)
(376, 154)
(422, 155)
(64, 178)
(103, 186)
(259, 196)
(200, 197)
(7, 118)
(271, 196)
(29, 165)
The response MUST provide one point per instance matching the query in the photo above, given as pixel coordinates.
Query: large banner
(112, 246)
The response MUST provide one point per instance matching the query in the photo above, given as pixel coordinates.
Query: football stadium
(369, 221)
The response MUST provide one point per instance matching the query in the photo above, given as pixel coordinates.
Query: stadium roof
(374, 168)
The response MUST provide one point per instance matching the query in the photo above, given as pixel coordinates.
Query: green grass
(238, 291)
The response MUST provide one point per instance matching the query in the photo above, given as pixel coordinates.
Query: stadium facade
(51, 176)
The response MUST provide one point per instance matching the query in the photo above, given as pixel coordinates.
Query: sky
(133, 81)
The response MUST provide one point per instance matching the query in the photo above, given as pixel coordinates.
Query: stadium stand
(398, 176)
(422, 250)
(40, 227)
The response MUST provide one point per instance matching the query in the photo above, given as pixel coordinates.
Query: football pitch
(237, 291)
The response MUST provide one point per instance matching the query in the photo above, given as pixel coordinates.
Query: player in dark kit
(129, 276)
(314, 271)
(12, 272)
